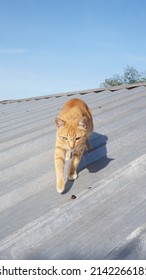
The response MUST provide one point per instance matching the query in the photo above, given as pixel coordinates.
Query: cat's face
(71, 136)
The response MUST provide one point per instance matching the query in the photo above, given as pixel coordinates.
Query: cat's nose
(71, 145)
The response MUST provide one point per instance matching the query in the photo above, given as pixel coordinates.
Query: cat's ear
(83, 122)
(59, 122)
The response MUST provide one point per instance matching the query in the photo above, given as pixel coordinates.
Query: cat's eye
(78, 138)
(64, 138)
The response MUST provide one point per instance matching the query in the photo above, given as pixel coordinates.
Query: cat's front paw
(73, 177)
(60, 186)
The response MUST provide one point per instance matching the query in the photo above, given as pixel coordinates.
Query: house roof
(107, 220)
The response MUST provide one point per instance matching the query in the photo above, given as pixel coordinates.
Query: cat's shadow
(95, 159)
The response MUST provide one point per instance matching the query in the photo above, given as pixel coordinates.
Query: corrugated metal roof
(108, 217)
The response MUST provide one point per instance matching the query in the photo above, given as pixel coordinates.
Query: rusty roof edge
(82, 92)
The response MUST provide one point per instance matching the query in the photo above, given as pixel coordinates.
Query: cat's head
(72, 135)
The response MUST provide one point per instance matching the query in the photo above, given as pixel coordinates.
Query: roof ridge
(71, 93)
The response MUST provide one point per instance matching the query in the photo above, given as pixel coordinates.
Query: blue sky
(53, 46)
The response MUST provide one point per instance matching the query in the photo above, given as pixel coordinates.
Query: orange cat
(74, 127)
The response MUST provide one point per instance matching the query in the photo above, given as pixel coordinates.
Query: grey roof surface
(107, 220)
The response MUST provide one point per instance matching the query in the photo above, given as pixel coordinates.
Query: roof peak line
(72, 93)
